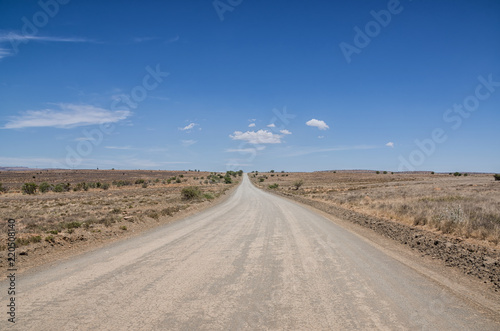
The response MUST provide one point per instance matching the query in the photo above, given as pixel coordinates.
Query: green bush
(2, 189)
(44, 187)
(29, 188)
(105, 186)
(139, 181)
(191, 192)
(497, 176)
(273, 186)
(378, 172)
(49, 239)
(228, 180)
(261, 180)
(81, 186)
(144, 185)
(457, 174)
(385, 172)
(178, 180)
(62, 187)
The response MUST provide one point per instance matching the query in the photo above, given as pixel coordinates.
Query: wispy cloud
(257, 137)
(285, 131)
(67, 116)
(390, 144)
(318, 124)
(245, 150)
(311, 150)
(187, 143)
(251, 125)
(188, 127)
(271, 125)
(14, 36)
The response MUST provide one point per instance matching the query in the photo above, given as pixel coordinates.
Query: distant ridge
(21, 169)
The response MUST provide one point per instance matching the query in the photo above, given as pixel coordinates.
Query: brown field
(89, 214)
(467, 207)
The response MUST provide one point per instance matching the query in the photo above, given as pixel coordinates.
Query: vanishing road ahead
(255, 261)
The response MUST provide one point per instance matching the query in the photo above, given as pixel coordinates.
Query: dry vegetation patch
(86, 213)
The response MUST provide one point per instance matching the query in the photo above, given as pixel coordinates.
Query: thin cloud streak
(68, 116)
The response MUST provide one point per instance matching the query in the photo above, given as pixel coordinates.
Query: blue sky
(256, 85)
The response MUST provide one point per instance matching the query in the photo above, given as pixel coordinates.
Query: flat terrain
(466, 206)
(255, 261)
(53, 225)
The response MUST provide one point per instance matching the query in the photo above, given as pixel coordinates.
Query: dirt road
(256, 261)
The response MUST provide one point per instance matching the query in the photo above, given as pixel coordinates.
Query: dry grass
(468, 207)
(54, 216)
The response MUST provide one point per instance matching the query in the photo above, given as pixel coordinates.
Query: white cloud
(321, 137)
(317, 123)
(271, 125)
(13, 36)
(285, 131)
(390, 144)
(187, 143)
(257, 137)
(246, 150)
(188, 127)
(68, 116)
(251, 125)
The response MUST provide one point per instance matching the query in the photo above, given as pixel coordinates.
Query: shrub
(2, 189)
(378, 172)
(273, 186)
(432, 172)
(466, 174)
(261, 180)
(272, 171)
(385, 172)
(144, 185)
(139, 181)
(457, 174)
(49, 239)
(208, 196)
(191, 192)
(105, 186)
(123, 227)
(228, 180)
(73, 225)
(178, 180)
(298, 184)
(29, 188)
(497, 176)
(81, 186)
(61, 187)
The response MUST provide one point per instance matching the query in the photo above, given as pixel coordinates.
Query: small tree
(385, 172)
(298, 184)
(228, 180)
(29, 188)
(497, 176)
(378, 172)
(191, 192)
(272, 171)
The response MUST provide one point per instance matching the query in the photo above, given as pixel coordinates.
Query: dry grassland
(462, 206)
